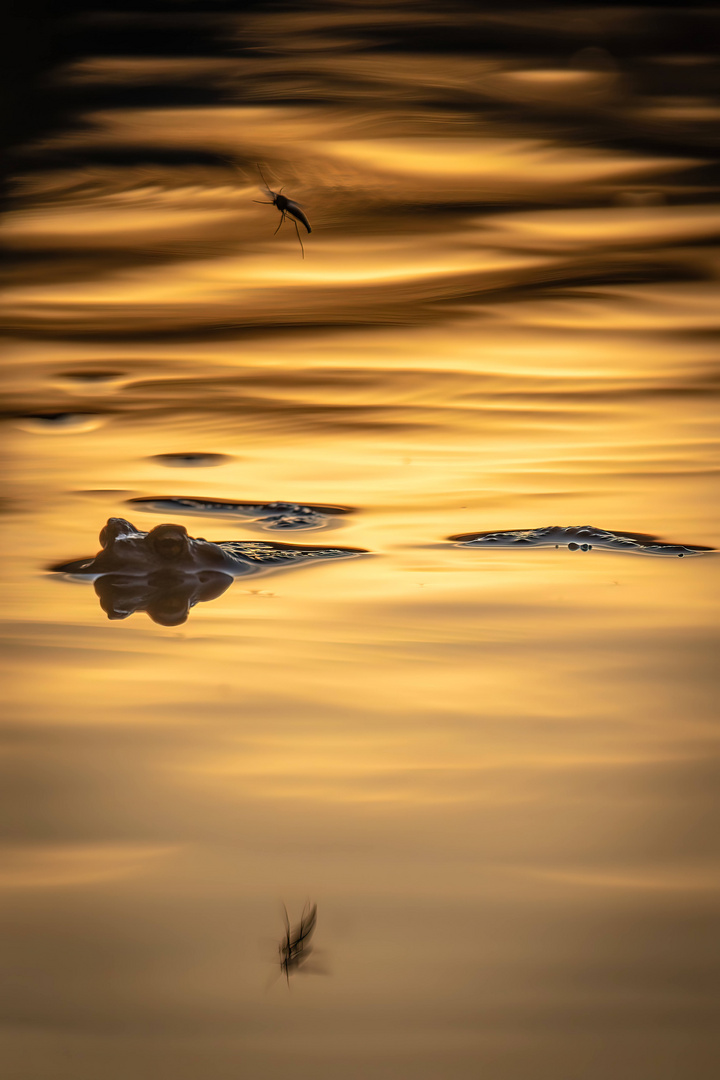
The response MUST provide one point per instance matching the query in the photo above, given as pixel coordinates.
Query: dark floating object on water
(578, 538)
(270, 515)
(285, 206)
(295, 947)
(165, 572)
(193, 460)
(92, 375)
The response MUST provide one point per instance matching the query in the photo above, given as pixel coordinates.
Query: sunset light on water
(396, 756)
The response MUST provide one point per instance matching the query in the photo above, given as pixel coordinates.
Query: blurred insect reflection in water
(295, 948)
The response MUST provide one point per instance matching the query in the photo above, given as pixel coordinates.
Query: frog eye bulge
(169, 541)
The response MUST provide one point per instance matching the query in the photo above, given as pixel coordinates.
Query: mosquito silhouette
(295, 948)
(285, 206)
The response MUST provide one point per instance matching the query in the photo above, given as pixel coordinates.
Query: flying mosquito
(285, 206)
(295, 948)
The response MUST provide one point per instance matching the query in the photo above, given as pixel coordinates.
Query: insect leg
(298, 236)
(282, 218)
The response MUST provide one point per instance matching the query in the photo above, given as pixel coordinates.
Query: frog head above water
(125, 549)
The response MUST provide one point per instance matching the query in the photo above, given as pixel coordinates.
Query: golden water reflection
(494, 771)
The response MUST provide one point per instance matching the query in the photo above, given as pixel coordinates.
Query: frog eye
(169, 541)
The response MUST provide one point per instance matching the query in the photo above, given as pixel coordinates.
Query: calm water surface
(494, 770)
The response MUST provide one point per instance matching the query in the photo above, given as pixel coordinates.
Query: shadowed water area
(425, 786)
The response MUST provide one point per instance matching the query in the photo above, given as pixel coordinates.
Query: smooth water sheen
(492, 765)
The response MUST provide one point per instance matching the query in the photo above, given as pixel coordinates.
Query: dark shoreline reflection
(165, 572)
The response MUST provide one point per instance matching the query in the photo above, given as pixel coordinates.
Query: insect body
(285, 206)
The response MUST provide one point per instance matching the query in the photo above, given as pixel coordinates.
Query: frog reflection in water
(165, 572)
